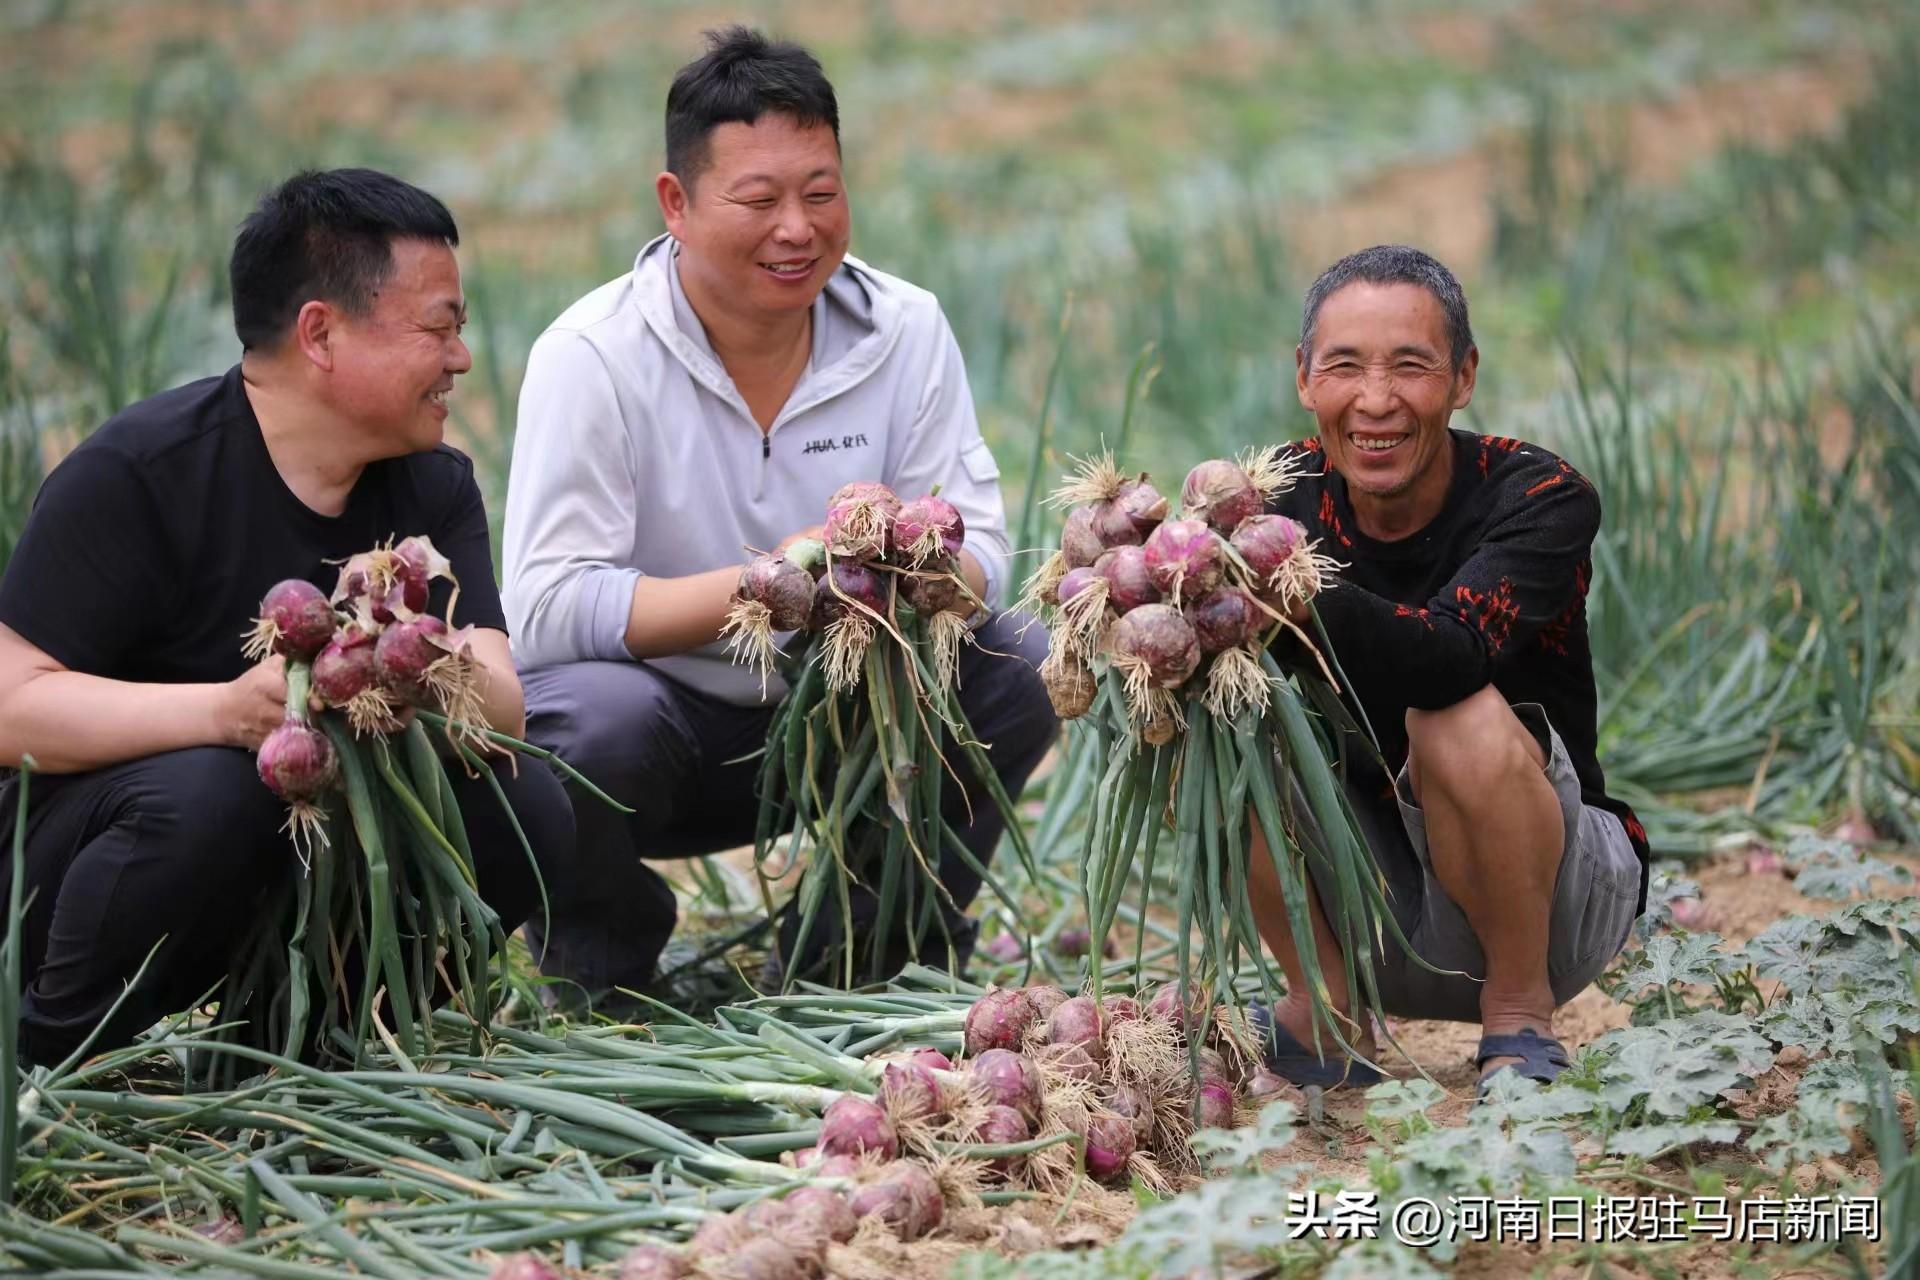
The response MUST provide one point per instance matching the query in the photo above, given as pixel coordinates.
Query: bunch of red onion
(875, 553)
(865, 623)
(367, 651)
(1161, 623)
(1166, 601)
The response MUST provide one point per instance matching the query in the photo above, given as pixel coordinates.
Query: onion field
(1691, 240)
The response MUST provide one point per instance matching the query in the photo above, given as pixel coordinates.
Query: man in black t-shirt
(1459, 621)
(144, 560)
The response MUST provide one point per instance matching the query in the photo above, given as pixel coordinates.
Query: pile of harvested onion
(1049, 1086)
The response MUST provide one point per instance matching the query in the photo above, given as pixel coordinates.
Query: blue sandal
(1297, 1063)
(1541, 1057)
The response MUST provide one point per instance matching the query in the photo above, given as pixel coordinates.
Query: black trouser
(664, 750)
(187, 846)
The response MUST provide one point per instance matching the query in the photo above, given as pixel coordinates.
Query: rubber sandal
(1297, 1064)
(1541, 1057)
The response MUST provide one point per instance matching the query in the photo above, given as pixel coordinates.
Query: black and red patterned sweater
(1494, 590)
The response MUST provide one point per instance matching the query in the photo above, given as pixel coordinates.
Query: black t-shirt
(1493, 590)
(150, 545)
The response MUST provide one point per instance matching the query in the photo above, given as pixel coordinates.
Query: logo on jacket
(827, 444)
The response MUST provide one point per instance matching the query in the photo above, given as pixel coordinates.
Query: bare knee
(1471, 751)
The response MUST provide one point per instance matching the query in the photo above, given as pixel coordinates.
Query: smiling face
(764, 223)
(394, 365)
(1380, 381)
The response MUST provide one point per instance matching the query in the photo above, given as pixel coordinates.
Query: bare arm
(70, 722)
(506, 703)
(675, 615)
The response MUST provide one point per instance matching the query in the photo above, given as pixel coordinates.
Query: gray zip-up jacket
(635, 454)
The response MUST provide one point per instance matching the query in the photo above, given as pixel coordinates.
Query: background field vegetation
(1687, 233)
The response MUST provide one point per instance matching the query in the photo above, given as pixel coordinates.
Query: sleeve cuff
(605, 604)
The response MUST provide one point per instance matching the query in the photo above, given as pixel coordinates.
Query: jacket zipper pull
(766, 447)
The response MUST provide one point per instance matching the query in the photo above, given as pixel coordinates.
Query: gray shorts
(1593, 898)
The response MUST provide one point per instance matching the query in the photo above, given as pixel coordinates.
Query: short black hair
(327, 235)
(1394, 264)
(742, 76)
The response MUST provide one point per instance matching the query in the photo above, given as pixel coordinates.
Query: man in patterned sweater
(1459, 620)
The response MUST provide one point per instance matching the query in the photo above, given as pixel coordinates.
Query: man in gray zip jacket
(709, 401)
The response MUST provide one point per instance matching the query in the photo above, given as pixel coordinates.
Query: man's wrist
(217, 726)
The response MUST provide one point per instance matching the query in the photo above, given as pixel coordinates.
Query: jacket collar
(856, 290)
